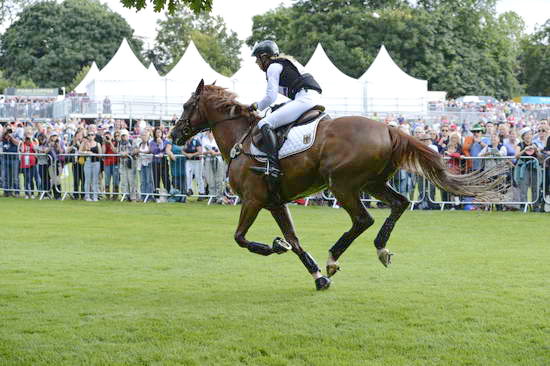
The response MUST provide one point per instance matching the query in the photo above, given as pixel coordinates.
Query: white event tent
(342, 94)
(387, 88)
(184, 77)
(124, 78)
(90, 75)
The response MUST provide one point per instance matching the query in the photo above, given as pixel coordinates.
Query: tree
(50, 43)
(460, 47)
(197, 6)
(535, 61)
(10, 8)
(219, 46)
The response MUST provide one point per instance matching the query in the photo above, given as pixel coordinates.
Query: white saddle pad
(299, 139)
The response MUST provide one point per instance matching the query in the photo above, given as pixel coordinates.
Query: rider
(282, 77)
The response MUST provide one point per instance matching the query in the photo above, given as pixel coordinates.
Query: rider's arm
(273, 72)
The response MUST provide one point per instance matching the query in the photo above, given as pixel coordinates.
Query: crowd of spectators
(108, 158)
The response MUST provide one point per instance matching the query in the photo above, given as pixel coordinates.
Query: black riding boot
(273, 167)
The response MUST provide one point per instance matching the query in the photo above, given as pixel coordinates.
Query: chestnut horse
(350, 155)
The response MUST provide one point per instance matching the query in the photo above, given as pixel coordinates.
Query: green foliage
(51, 42)
(111, 283)
(197, 6)
(78, 78)
(460, 47)
(219, 46)
(535, 61)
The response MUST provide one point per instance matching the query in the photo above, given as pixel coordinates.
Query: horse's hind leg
(398, 204)
(361, 220)
(284, 220)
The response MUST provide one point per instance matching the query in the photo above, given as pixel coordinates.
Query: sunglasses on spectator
(542, 131)
(445, 130)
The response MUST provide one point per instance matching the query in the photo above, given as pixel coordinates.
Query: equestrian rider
(282, 77)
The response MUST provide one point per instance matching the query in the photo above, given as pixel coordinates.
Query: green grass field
(164, 284)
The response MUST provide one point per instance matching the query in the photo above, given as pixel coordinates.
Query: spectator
(494, 149)
(110, 165)
(107, 106)
(526, 173)
(28, 164)
(214, 167)
(193, 165)
(127, 165)
(473, 146)
(78, 164)
(453, 153)
(177, 166)
(146, 166)
(10, 162)
(91, 148)
(43, 163)
(55, 149)
(160, 163)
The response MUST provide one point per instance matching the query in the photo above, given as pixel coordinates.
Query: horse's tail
(412, 155)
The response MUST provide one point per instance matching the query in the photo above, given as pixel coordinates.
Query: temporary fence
(145, 177)
(31, 178)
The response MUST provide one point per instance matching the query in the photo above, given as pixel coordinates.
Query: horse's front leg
(284, 220)
(249, 212)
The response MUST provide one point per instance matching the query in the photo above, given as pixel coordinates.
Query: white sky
(238, 14)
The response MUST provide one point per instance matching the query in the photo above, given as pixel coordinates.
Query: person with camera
(110, 164)
(54, 149)
(90, 148)
(214, 166)
(27, 149)
(10, 162)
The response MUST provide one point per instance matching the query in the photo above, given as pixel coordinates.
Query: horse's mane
(224, 100)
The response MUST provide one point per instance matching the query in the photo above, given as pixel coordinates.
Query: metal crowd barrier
(15, 180)
(546, 180)
(138, 177)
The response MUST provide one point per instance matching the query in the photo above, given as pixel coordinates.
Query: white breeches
(292, 110)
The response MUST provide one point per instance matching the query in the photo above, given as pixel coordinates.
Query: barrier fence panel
(25, 173)
(142, 177)
(546, 181)
(523, 175)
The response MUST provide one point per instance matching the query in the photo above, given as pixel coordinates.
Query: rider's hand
(253, 107)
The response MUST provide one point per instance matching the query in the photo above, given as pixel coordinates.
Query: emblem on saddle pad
(307, 139)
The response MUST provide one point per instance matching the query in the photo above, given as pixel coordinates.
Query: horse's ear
(214, 83)
(199, 87)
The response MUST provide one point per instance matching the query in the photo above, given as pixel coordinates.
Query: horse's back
(354, 144)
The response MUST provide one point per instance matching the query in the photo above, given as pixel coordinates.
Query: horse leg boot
(272, 171)
(281, 214)
(361, 221)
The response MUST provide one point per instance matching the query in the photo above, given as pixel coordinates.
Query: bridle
(188, 130)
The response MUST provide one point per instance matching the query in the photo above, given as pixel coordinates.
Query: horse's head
(191, 121)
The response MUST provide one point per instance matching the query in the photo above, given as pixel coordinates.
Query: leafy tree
(535, 61)
(51, 42)
(197, 6)
(461, 47)
(219, 46)
(10, 8)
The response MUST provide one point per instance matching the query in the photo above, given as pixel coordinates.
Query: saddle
(282, 132)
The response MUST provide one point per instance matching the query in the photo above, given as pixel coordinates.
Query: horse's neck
(227, 134)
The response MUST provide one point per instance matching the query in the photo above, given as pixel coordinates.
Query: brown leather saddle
(282, 132)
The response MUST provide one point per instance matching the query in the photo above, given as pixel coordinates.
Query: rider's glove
(253, 107)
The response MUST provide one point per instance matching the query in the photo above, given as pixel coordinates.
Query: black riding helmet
(269, 48)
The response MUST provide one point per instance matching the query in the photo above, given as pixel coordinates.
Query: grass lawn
(114, 283)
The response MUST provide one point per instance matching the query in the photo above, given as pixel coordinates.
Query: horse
(350, 155)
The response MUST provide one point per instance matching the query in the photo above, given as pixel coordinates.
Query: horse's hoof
(332, 269)
(384, 256)
(280, 246)
(322, 283)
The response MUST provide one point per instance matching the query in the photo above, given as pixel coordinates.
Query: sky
(238, 14)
